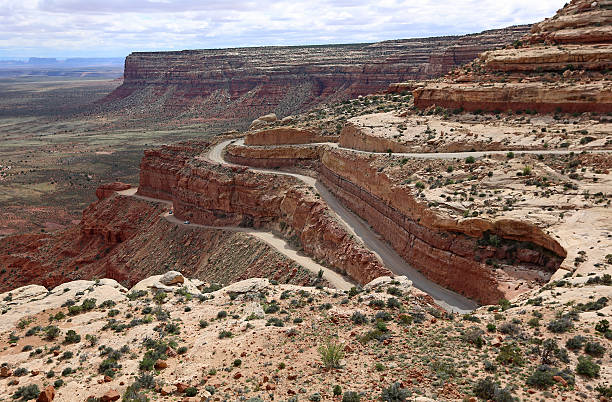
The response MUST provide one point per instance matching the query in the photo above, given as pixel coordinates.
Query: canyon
(374, 228)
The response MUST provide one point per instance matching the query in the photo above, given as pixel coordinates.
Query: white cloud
(117, 27)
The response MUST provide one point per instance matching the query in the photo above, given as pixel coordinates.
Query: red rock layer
(286, 135)
(245, 83)
(216, 195)
(125, 238)
(446, 252)
(560, 67)
(265, 157)
(106, 190)
(159, 167)
(541, 97)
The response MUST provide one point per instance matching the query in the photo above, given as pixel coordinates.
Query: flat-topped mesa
(561, 66)
(244, 83)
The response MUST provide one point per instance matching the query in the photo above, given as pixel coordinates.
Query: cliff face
(561, 66)
(159, 167)
(214, 195)
(446, 251)
(247, 82)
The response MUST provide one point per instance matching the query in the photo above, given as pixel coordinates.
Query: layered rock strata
(245, 83)
(224, 196)
(125, 238)
(447, 251)
(159, 167)
(561, 66)
(273, 157)
(286, 135)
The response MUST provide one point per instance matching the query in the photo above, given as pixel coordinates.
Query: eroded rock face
(538, 96)
(559, 67)
(285, 135)
(127, 239)
(106, 190)
(223, 196)
(445, 250)
(158, 168)
(246, 83)
(271, 157)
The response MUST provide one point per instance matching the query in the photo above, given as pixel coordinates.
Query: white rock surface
(33, 299)
(172, 278)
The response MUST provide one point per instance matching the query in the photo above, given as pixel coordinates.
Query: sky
(114, 28)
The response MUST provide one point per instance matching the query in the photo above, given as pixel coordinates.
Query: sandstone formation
(561, 66)
(246, 83)
(271, 157)
(445, 250)
(159, 167)
(285, 135)
(224, 196)
(106, 190)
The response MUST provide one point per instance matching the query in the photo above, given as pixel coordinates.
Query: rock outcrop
(285, 135)
(561, 66)
(272, 157)
(159, 167)
(244, 83)
(223, 196)
(106, 190)
(447, 251)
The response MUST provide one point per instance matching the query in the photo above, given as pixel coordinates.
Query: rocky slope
(173, 338)
(563, 65)
(243, 83)
(126, 239)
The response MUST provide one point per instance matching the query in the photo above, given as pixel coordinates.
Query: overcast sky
(108, 28)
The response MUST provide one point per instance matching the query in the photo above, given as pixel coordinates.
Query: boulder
(5, 372)
(403, 282)
(161, 364)
(172, 278)
(254, 310)
(46, 395)
(251, 285)
(110, 395)
(269, 118)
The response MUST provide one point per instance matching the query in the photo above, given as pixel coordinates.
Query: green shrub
(488, 389)
(351, 396)
(51, 332)
(359, 318)
(27, 392)
(587, 367)
(560, 325)
(331, 354)
(225, 334)
(594, 349)
(602, 326)
(575, 343)
(394, 393)
(510, 354)
(191, 391)
(72, 337)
